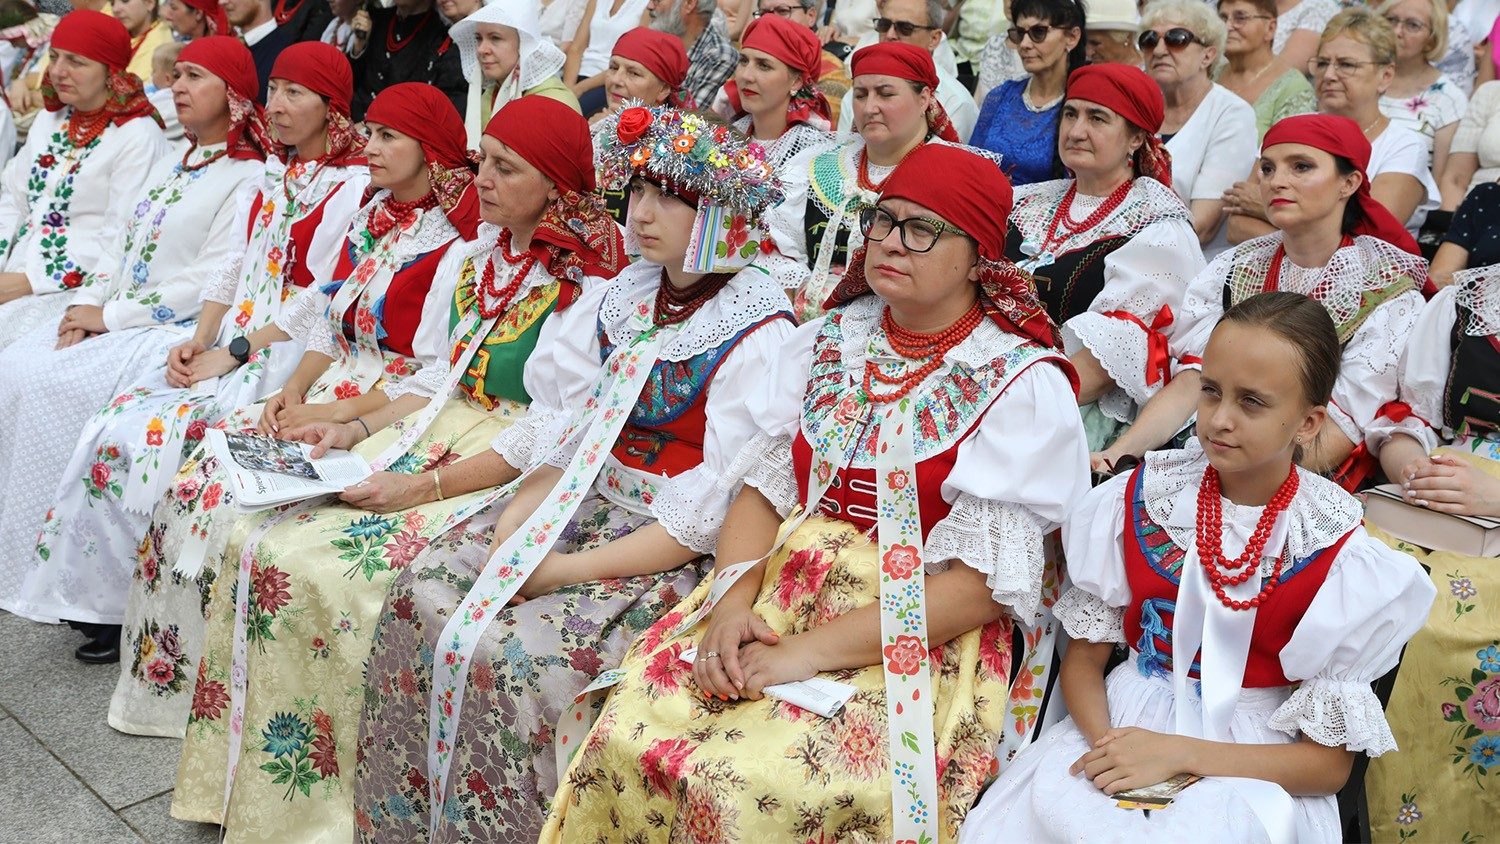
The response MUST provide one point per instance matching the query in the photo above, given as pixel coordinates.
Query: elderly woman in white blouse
(1421, 97)
(1209, 131)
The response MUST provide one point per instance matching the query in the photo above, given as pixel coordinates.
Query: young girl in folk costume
(129, 451)
(931, 408)
(625, 456)
(1336, 244)
(317, 573)
(1112, 250)
(382, 319)
(55, 377)
(895, 111)
(1439, 441)
(74, 183)
(1228, 546)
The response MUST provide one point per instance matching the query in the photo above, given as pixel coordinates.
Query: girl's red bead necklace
(930, 349)
(1223, 573)
(494, 301)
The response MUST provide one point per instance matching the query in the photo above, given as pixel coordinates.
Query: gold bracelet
(437, 483)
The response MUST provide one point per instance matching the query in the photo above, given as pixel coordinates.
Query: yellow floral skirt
(664, 764)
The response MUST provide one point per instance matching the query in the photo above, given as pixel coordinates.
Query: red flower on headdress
(633, 124)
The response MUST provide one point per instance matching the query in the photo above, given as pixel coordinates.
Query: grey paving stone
(64, 703)
(154, 821)
(44, 803)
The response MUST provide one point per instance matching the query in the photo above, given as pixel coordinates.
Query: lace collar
(484, 247)
(1320, 514)
(750, 297)
(1148, 201)
(798, 138)
(861, 321)
(433, 230)
(1368, 265)
(1479, 294)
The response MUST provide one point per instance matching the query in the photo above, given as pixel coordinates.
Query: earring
(1297, 439)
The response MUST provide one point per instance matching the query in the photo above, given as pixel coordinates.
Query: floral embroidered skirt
(1444, 783)
(170, 581)
(317, 584)
(664, 764)
(47, 396)
(531, 663)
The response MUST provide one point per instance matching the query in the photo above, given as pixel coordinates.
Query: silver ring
(711, 655)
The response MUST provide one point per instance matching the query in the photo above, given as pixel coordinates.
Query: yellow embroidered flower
(155, 426)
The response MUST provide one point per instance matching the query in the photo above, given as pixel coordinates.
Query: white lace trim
(425, 383)
(1369, 264)
(1319, 516)
(996, 538)
(304, 320)
(1148, 201)
(766, 464)
(862, 317)
(1337, 713)
(691, 507)
(517, 444)
(1479, 293)
(1120, 348)
(433, 230)
(1086, 617)
(749, 297)
(798, 138)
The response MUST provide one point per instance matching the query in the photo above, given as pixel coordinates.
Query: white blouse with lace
(561, 373)
(998, 519)
(1371, 602)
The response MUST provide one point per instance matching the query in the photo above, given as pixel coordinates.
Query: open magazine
(267, 472)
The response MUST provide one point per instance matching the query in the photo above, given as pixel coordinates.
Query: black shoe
(102, 648)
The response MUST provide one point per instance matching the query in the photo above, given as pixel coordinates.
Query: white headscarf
(538, 57)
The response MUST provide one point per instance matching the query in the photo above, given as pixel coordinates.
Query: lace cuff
(691, 507)
(1085, 616)
(517, 444)
(304, 320)
(766, 464)
(224, 280)
(425, 383)
(1337, 713)
(998, 539)
(1122, 349)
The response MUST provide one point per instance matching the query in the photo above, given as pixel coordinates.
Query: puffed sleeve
(1202, 306)
(775, 404)
(691, 505)
(1130, 325)
(1422, 377)
(339, 208)
(431, 343)
(225, 278)
(1092, 607)
(1015, 478)
(558, 377)
(1374, 600)
(786, 221)
(176, 295)
(1371, 361)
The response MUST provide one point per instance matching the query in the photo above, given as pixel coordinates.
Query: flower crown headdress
(688, 153)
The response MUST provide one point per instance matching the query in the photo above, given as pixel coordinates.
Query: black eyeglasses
(904, 28)
(1036, 32)
(780, 11)
(918, 234)
(1177, 37)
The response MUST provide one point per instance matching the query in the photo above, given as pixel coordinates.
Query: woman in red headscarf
(895, 111)
(494, 296)
(285, 240)
(119, 329)
(192, 19)
(1112, 249)
(608, 526)
(76, 179)
(646, 66)
(886, 418)
(1333, 243)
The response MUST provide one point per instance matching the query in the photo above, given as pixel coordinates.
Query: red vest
(299, 239)
(851, 496)
(400, 310)
(1153, 563)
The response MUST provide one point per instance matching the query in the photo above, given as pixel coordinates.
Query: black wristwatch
(239, 349)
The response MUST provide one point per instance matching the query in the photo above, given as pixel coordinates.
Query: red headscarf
(798, 48)
(659, 53)
(576, 236)
(1130, 93)
(101, 38)
(229, 59)
(972, 193)
(324, 70)
(1342, 137)
(425, 114)
(213, 14)
(906, 61)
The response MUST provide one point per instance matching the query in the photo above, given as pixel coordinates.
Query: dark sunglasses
(1036, 32)
(903, 28)
(1177, 37)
